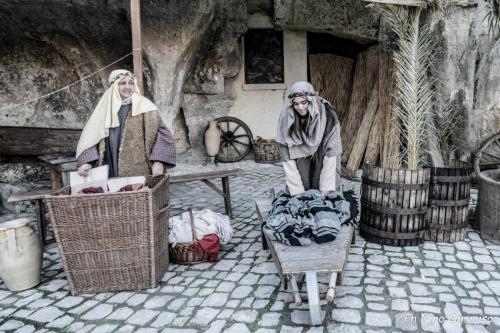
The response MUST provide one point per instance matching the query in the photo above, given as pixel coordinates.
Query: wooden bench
(37, 197)
(205, 178)
(33, 141)
(291, 261)
(60, 166)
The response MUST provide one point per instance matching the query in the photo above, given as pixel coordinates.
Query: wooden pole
(414, 3)
(135, 16)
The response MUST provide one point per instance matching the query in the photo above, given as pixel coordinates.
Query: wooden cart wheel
(236, 139)
(488, 155)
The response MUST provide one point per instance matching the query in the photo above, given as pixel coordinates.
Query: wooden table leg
(40, 221)
(227, 197)
(55, 178)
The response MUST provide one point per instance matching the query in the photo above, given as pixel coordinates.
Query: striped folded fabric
(309, 216)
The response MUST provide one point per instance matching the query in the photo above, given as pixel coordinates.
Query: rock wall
(19, 175)
(468, 65)
(343, 18)
(209, 89)
(192, 55)
(48, 45)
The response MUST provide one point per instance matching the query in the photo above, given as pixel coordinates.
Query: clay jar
(212, 140)
(20, 255)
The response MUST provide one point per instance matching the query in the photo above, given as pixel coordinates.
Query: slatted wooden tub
(394, 205)
(488, 214)
(449, 196)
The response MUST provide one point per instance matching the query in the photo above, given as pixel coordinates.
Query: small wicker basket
(185, 253)
(266, 151)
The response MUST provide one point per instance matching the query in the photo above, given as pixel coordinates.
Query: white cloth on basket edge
(206, 222)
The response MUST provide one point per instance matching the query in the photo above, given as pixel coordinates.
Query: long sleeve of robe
(163, 150)
(321, 171)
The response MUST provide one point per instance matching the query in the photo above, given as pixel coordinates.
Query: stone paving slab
(434, 287)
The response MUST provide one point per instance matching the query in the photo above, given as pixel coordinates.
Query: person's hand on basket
(157, 168)
(83, 170)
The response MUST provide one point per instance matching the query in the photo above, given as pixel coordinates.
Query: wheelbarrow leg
(265, 246)
(330, 294)
(295, 290)
(313, 297)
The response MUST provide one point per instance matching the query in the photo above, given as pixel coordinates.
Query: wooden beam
(213, 187)
(28, 196)
(362, 137)
(33, 141)
(365, 76)
(204, 175)
(135, 17)
(413, 3)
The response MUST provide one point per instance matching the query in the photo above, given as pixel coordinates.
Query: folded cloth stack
(92, 190)
(131, 187)
(206, 222)
(295, 220)
(126, 188)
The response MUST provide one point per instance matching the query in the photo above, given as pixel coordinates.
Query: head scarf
(105, 115)
(302, 137)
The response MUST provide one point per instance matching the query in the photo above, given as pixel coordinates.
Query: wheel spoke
(497, 144)
(222, 132)
(239, 153)
(241, 143)
(233, 133)
(484, 153)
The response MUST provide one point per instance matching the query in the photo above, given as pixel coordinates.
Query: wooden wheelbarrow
(292, 261)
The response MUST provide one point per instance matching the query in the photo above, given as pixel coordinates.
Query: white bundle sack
(206, 222)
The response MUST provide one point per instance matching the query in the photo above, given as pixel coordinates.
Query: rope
(66, 87)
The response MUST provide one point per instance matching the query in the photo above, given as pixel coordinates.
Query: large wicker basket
(112, 241)
(266, 151)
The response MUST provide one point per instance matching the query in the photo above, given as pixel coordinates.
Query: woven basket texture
(183, 253)
(266, 151)
(112, 241)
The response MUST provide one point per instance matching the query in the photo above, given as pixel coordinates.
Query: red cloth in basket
(210, 245)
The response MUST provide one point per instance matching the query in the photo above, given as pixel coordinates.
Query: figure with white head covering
(126, 132)
(309, 135)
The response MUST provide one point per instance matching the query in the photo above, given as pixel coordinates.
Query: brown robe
(139, 135)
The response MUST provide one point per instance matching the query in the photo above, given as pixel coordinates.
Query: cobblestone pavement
(429, 288)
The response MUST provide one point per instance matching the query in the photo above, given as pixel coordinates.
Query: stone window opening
(264, 57)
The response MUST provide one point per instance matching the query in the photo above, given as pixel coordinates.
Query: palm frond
(413, 87)
(493, 16)
(449, 122)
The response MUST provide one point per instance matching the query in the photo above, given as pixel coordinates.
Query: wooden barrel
(394, 205)
(488, 200)
(449, 196)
